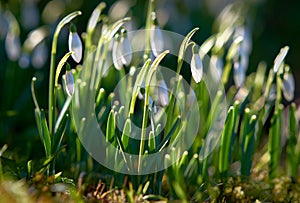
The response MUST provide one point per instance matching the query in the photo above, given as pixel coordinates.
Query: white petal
(244, 60)
(163, 93)
(288, 87)
(117, 55)
(217, 69)
(75, 45)
(239, 74)
(24, 60)
(126, 52)
(12, 46)
(156, 40)
(196, 67)
(69, 83)
(279, 58)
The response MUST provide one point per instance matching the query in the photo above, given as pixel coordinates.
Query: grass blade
(248, 141)
(227, 140)
(274, 142)
(292, 166)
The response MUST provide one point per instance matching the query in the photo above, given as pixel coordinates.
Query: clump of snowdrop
(75, 44)
(196, 65)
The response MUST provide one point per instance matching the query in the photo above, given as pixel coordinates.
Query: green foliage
(255, 113)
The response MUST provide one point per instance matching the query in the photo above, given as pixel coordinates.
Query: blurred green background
(274, 24)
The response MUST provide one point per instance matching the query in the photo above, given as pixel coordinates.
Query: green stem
(148, 27)
(51, 104)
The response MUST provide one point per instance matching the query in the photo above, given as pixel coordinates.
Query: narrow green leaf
(274, 142)
(248, 140)
(126, 133)
(227, 139)
(46, 139)
(59, 132)
(292, 165)
(151, 142)
(110, 129)
(138, 84)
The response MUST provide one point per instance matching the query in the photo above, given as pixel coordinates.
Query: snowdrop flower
(122, 53)
(117, 54)
(196, 65)
(69, 81)
(279, 58)
(12, 46)
(156, 37)
(217, 67)
(163, 94)
(24, 60)
(125, 48)
(75, 44)
(288, 86)
(239, 74)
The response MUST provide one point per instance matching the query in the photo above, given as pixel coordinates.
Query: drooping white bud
(163, 93)
(126, 52)
(156, 40)
(117, 54)
(75, 44)
(239, 74)
(12, 46)
(69, 82)
(288, 86)
(196, 65)
(217, 67)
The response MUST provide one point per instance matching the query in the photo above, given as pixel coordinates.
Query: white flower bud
(156, 40)
(75, 46)
(12, 46)
(288, 86)
(126, 52)
(217, 67)
(69, 82)
(117, 54)
(239, 74)
(196, 66)
(163, 93)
